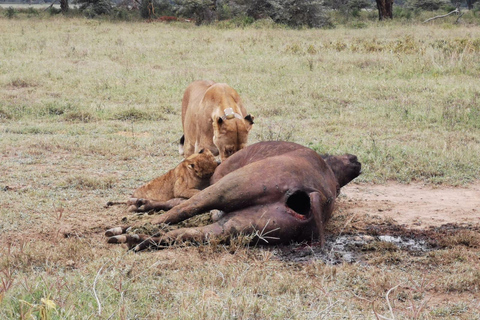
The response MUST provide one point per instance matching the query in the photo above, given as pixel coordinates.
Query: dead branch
(458, 19)
(443, 16)
(50, 6)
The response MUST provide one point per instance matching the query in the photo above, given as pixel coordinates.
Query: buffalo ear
(249, 118)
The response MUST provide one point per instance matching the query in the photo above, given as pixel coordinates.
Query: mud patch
(354, 248)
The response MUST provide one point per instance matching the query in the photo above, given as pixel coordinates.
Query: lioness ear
(249, 118)
(201, 151)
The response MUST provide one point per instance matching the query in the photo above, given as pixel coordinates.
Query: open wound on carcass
(299, 202)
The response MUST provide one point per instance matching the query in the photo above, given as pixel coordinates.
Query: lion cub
(181, 183)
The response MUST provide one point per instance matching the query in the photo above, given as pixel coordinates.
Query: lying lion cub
(181, 183)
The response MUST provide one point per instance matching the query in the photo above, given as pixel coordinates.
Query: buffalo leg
(264, 223)
(139, 242)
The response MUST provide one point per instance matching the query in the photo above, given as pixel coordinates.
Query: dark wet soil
(354, 244)
(353, 248)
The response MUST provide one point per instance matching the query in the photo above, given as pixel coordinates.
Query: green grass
(90, 109)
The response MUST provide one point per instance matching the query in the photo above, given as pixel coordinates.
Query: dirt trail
(416, 206)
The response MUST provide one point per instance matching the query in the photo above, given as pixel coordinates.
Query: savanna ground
(90, 110)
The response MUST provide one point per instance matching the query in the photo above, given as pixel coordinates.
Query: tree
(64, 6)
(470, 4)
(385, 9)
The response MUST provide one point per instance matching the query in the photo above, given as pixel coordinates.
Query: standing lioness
(214, 118)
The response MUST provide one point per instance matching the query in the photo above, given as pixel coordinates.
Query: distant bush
(32, 12)
(92, 8)
(10, 13)
(402, 12)
(54, 11)
(429, 5)
(202, 11)
(348, 7)
(294, 13)
(160, 8)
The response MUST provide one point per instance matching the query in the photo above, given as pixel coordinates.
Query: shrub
(10, 13)
(402, 12)
(160, 8)
(294, 13)
(92, 8)
(429, 5)
(32, 12)
(203, 11)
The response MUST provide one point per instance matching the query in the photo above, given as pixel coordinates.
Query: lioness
(181, 183)
(214, 118)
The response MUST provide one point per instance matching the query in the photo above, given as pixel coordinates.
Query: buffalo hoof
(116, 231)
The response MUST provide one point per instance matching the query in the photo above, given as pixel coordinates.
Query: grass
(90, 109)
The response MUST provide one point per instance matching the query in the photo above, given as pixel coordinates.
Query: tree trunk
(64, 5)
(470, 4)
(385, 9)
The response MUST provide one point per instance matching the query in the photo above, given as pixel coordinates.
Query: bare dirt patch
(414, 206)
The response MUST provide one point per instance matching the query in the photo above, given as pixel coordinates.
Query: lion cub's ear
(191, 166)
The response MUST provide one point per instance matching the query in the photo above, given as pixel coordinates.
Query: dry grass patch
(90, 110)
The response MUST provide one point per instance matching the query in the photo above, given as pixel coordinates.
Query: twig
(443, 16)
(378, 316)
(388, 301)
(50, 6)
(458, 19)
(95, 291)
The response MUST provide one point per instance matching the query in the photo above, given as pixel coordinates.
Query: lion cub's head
(202, 164)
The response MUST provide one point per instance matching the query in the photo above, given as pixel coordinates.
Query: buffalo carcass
(280, 191)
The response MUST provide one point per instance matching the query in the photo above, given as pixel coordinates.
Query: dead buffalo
(280, 191)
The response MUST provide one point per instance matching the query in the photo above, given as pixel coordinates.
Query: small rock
(368, 238)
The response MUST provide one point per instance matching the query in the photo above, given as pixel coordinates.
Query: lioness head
(231, 135)
(202, 164)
